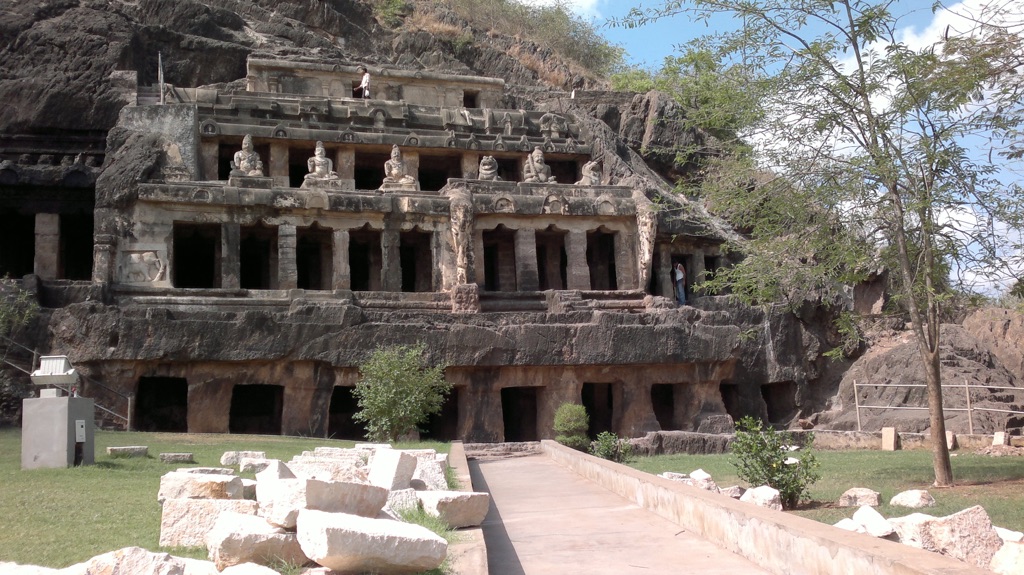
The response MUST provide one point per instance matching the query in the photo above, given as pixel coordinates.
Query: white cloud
(582, 7)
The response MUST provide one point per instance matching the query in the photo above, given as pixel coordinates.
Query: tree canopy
(838, 147)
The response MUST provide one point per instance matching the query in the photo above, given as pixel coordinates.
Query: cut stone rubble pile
(337, 508)
(968, 535)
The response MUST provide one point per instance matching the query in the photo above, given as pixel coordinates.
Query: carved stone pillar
(47, 251)
(625, 270)
(412, 164)
(391, 267)
(345, 165)
(665, 279)
(553, 264)
(208, 158)
(637, 410)
(103, 258)
(478, 256)
(695, 272)
(231, 263)
(437, 260)
(470, 165)
(578, 274)
(527, 278)
(342, 271)
(278, 165)
(287, 271)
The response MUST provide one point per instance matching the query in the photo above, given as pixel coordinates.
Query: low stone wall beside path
(469, 554)
(777, 541)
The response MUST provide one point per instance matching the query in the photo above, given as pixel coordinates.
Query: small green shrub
(390, 12)
(609, 446)
(452, 479)
(571, 423)
(763, 459)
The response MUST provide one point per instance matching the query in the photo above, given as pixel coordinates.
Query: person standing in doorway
(679, 274)
(363, 90)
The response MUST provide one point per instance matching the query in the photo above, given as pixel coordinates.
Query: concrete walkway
(544, 519)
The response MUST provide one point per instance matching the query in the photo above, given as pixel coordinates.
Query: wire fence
(970, 409)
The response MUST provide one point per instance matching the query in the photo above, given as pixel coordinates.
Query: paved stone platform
(544, 519)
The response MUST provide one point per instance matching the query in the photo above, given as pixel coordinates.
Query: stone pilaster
(470, 165)
(695, 271)
(637, 413)
(578, 274)
(665, 272)
(47, 250)
(208, 152)
(412, 164)
(553, 265)
(526, 260)
(345, 165)
(342, 272)
(391, 267)
(277, 167)
(625, 266)
(478, 258)
(230, 261)
(287, 271)
(103, 258)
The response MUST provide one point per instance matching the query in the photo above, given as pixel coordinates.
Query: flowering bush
(764, 458)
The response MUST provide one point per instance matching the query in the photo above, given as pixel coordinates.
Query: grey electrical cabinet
(57, 432)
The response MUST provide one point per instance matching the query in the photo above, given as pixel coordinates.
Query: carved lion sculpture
(489, 169)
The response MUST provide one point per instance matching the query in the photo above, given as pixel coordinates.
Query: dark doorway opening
(257, 257)
(17, 243)
(470, 99)
(341, 423)
(564, 171)
(499, 259)
(314, 258)
(196, 255)
(711, 265)
(364, 259)
(298, 166)
(509, 170)
(415, 260)
(435, 171)
(552, 261)
(226, 154)
(444, 425)
(663, 398)
(369, 170)
(601, 259)
(256, 409)
(76, 246)
(600, 403)
(161, 404)
(519, 413)
(780, 401)
(731, 400)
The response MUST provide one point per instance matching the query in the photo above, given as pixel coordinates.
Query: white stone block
(1009, 560)
(345, 497)
(236, 539)
(248, 569)
(913, 498)
(276, 469)
(873, 522)
(429, 475)
(350, 543)
(763, 496)
(857, 496)
(848, 524)
(280, 500)
(253, 464)
(185, 522)
(1009, 535)
(233, 457)
(456, 508)
(967, 535)
(178, 485)
(391, 469)
(135, 560)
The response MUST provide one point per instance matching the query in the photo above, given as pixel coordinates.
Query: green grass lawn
(995, 483)
(59, 517)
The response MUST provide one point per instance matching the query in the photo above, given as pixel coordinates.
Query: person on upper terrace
(363, 89)
(535, 170)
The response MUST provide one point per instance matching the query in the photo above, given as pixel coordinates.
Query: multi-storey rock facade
(252, 247)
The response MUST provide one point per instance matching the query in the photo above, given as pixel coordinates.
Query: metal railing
(970, 409)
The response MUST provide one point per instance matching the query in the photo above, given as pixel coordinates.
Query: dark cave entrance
(444, 425)
(601, 259)
(76, 246)
(663, 399)
(780, 401)
(435, 171)
(552, 261)
(257, 257)
(731, 399)
(369, 170)
(564, 171)
(256, 409)
(314, 258)
(416, 261)
(499, 259)
(519, 413)
(17, 243)
(364, 259)
(599, 399)
(196, 255)
(341, 423)
(161, 404)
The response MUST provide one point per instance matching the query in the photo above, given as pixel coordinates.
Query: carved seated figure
(535, 170)
(395, 171)
(247, 162)
(591, 174)
(321, 168)
(489, 169)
